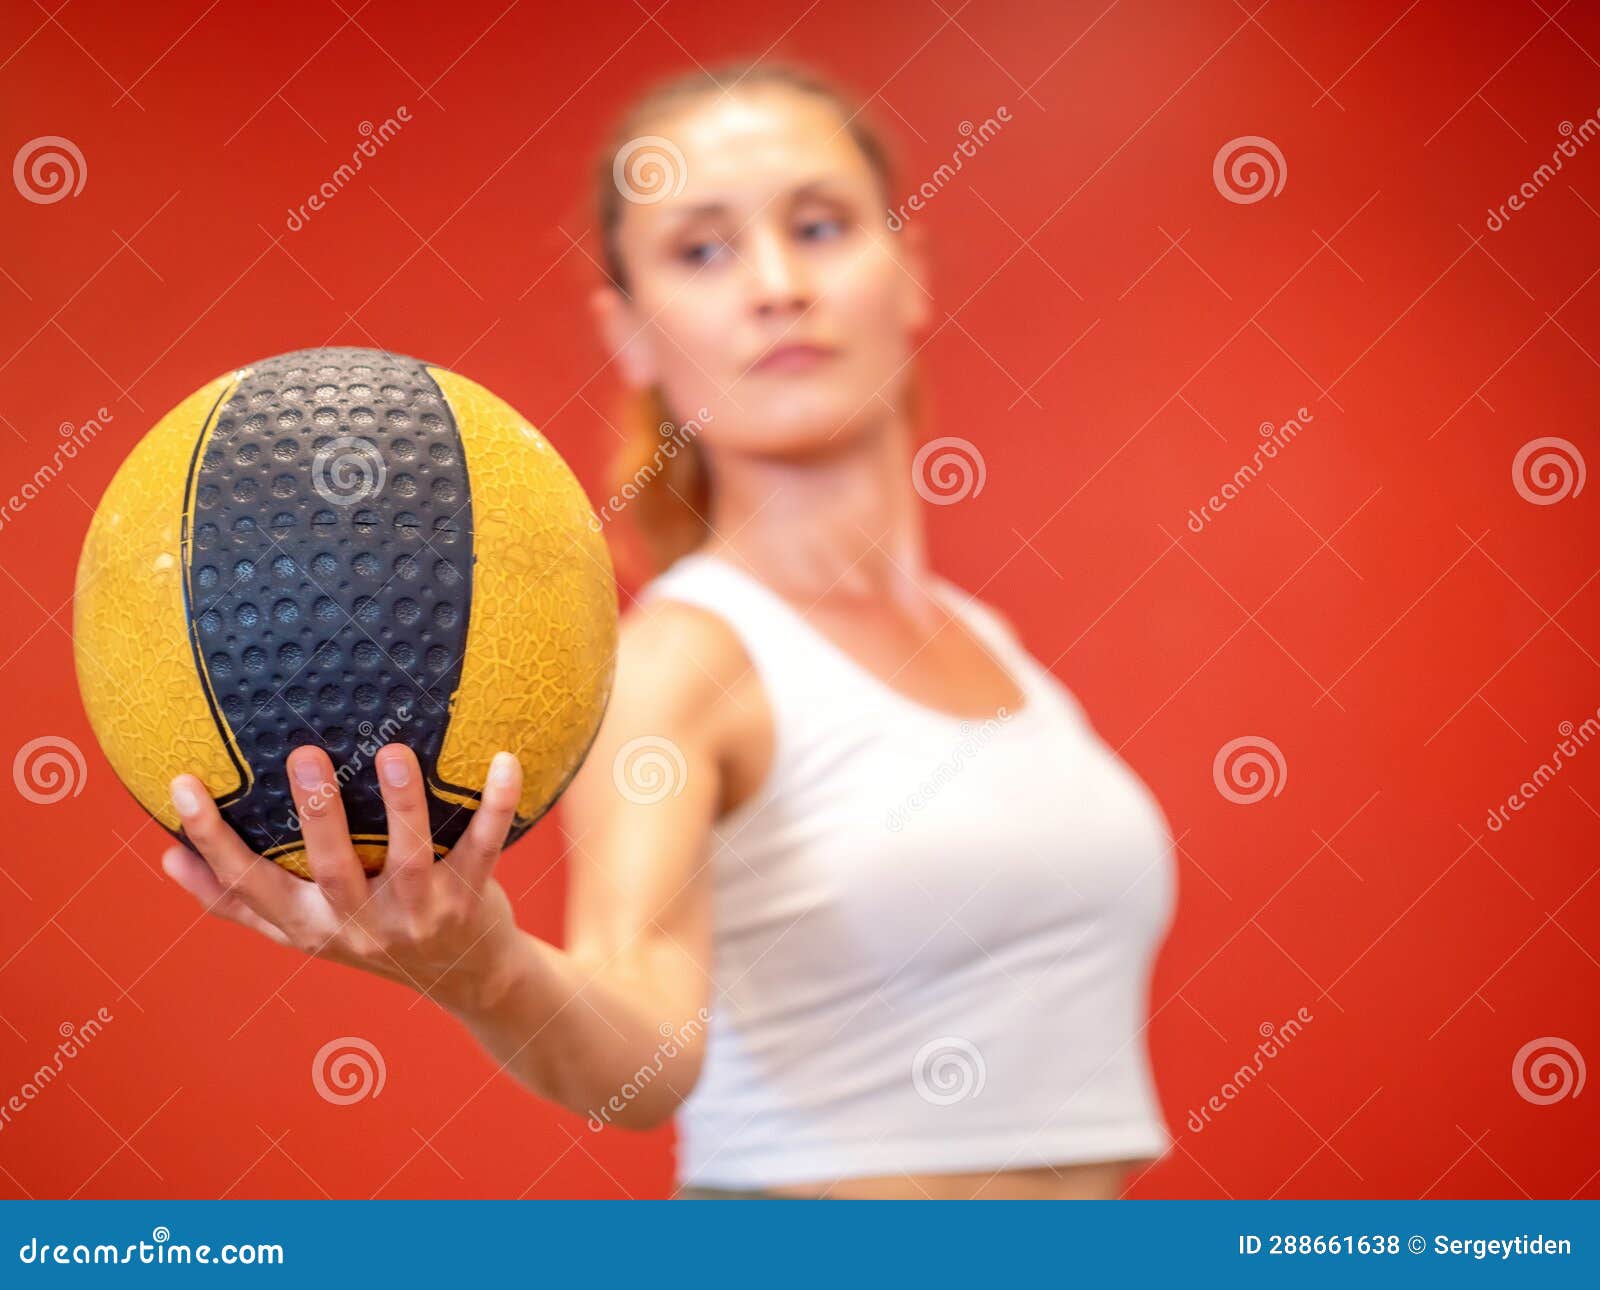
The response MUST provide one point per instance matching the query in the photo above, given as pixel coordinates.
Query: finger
(264, 887)
(330, 854)
(408, 870)
(194, 875)
(474, 856)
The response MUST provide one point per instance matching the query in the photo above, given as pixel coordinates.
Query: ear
(624, 336)
(914, 259)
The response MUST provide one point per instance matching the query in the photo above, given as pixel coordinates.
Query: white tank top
(932, 935)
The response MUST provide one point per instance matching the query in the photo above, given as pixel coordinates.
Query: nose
(779, 281)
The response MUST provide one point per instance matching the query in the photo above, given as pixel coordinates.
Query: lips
(796, 357)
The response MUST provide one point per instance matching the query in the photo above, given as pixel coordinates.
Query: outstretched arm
(575, 1025)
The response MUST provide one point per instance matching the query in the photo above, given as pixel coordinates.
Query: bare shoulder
(682, 676)
(676, 662)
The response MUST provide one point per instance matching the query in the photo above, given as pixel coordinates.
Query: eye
(701, 251)
(820, 228)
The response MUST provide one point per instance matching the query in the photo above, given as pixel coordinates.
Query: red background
(1381, 603)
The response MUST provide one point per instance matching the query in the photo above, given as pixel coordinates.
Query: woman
(855, 890)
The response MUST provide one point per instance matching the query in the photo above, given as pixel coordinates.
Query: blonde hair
(671, 496)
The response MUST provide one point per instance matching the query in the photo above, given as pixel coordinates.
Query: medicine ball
(348, 548)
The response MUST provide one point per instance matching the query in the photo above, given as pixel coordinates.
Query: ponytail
(670, 506)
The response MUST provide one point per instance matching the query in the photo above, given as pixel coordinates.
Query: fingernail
(184, 797)
(502, 769)
(307, 773)
(396, 773)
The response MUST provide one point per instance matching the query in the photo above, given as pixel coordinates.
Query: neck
(844, 522)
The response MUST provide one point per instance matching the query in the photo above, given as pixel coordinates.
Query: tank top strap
(802, 671)
(991, 630)
(781, 645)
(1038, 682)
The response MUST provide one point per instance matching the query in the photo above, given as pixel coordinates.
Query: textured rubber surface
(346, 548)
(330, 560)
(543, 635)
(130, 623)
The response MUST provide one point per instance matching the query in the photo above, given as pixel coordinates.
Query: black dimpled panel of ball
(329, 559)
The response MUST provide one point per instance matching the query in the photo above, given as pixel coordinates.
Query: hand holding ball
(347, 548)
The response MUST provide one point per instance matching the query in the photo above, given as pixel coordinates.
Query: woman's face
(767, 289)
